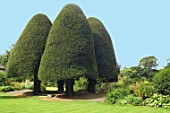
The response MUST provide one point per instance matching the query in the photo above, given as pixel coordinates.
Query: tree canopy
(148, 62)
(69, 51)
(105, 56)
(26, 54)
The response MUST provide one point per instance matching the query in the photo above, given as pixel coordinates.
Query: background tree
(69, 51)
(161, 81)
(4, 58)
(105, 56)
(25, 57)
(148, 62)
(168, 63)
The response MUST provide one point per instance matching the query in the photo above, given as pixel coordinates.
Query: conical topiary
(26, 55)
(69, 52)
(105, 56)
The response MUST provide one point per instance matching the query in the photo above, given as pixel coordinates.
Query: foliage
(4, 58)
(81, 84)
(3, 79)
(101, 87)
(138, 72)
(123, 96)
(168, 63)
(105, 56)
(143, 89)
(113, 96)
(69, 51)
(148, 62)
(26, 54)
(6, 88)
(17, 85)
(28, 84)
(158, 100)
(131, 99)
(161, 81)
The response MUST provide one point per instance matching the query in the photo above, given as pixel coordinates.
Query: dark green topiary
(69, 50)
(26, 55)
(105, 56)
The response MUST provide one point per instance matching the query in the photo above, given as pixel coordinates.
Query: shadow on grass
(10, 97)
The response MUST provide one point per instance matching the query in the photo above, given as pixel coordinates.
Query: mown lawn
(10, 104)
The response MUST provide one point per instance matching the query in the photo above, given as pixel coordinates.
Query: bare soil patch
(83, 96)
(79, 96)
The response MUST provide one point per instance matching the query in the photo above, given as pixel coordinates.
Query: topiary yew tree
(105, 56)
(69, 51)
(26, 55)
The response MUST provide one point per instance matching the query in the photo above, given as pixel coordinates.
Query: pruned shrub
(104, 51)
(26, 55)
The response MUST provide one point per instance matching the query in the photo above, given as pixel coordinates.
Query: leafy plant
(81, 84)
(113, 96)
(158, 100)
(161, 81)
(143, 89)
(136, 101)
(3, 79)
(6, 88)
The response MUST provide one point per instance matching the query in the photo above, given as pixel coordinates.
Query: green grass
(10, 104)
(51, 88)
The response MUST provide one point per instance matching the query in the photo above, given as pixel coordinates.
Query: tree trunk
(91, 85)
(37, 84)
(69, 87)
(60, 85)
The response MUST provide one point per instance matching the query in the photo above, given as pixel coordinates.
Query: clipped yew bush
(26, 55)
(105, 56)
(69, 51)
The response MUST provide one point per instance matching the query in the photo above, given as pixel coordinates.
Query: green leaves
(105, 56)
(69, 51)
(26, 55)
(162, 81)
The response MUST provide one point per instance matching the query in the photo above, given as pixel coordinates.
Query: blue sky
(138, 28)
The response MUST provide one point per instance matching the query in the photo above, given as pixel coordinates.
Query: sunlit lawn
(51, 88)
(10, 104)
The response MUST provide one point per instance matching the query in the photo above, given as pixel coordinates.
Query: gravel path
(20, 92)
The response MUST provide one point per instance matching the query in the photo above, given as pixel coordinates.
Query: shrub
(3, 79)
(17, 85)
(158, 100)
(101, 87)
(69, 51)
(113, 96)
(26, 54)
(143, 89)
(161, 81)
(131, 99)
(29, 84)
(6, 88)
(104, 52)
(81, 84)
